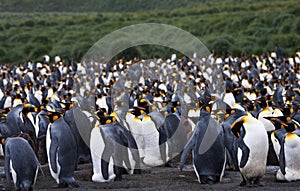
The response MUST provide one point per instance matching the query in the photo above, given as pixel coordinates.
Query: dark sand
(161, 178)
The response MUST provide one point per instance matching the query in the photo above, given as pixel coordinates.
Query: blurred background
(30, 29)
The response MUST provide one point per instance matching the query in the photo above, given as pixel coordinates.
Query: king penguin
(207, 143)
(61, 150)
(21, 163)
(252, 146)
(286, 144)
(103, 163)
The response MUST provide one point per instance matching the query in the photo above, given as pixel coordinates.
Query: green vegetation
(240, 27)
(93, 5)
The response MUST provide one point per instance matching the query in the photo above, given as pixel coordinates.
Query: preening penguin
(21, 163)
(230, 139)
(252, 148)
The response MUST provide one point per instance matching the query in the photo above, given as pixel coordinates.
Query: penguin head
(114, 116)
(144, 104)
(27, 108)
(53, 115)
(137, 111)
(66, 105)
(290, 126)
(236, 126)
(287, 111)
(229, 111)
(262, 102)
(109, 120)
(4, 112)
(206, 98)
(103, 118)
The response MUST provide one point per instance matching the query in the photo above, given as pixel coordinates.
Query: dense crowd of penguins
(120, 116)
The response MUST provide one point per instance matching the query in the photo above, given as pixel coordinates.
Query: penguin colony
(123, 116)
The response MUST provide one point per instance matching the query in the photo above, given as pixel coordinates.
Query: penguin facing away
(22, 172)
(207, 143)
(172, 138)
(61, 150)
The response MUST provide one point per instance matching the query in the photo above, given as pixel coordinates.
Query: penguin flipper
(53, 155)
(244, 148)
(189, 146)
(7, 167)
(282, 158)
(280, 135)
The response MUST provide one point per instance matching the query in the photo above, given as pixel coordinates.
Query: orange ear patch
(207, 108)
(55, 117)
(2, 141)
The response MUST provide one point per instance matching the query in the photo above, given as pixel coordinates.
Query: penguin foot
(137, 171)
(74, 184)
(243, 183)
(63, 185)
(7, 187)
(209, 179)
(210, 182)
(118, 178)
(170, 164)
(257, 183)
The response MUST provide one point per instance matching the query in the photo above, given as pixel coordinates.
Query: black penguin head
(29, 108)
(229, 112)
(103, 118)
(144, 104)
(67, 105)
(53, 115)
(137, 111)
(287, 111)
(206, 98)
(290, 126)
(262, 102)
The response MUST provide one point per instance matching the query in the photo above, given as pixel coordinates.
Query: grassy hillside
(238, 26)
(92, 5)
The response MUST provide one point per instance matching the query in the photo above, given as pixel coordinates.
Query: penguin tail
(72, 182)
(26, 186)
(211, 179)
(65, 182)
(40, 168)
(189, 146)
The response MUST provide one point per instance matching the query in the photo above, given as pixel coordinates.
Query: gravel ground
(160, 178)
